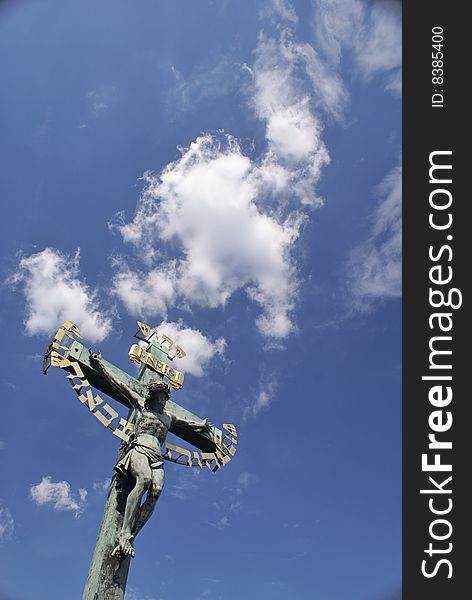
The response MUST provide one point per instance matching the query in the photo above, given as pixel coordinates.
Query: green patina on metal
(141, 434)
(203, 440)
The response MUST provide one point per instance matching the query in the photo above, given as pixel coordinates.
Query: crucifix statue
(143, 458)
(138, 473)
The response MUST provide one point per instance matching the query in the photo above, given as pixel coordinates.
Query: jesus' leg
(147, 508)
(141, 471)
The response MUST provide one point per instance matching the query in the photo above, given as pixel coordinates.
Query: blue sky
(230, 170)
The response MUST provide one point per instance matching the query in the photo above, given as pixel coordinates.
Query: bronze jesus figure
(143, 454)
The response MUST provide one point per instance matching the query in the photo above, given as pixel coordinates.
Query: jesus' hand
(95, 356)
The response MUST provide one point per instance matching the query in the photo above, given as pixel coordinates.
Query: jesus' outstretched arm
(135, 399)
(195, 425)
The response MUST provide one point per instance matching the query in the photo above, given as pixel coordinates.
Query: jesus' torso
(152, 427)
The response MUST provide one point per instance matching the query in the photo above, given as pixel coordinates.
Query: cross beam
(203, 440)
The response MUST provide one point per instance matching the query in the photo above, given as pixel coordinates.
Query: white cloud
(374, 267)
(3, 445)
(215, 221)
(7, 524)
(290, 77)
(135, 594)
(58, 494)
(280, 9)
(55, 293)
(233, 500)
(264, 397)
(186, 484)
(146, 293)
(101, 486)
(337, 26)
(382, 48)
(99, 100)
(199, 349)
(244, 481)
(204, 207)
(370, 30)
(217, 76)
(222, 523)
(284, 103)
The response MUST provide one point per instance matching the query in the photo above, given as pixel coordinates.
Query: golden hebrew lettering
(91, 401)
(145, 329)
(148, 332)
(56, 345)
(180, 451)
(196, 457)
(60, 333)
(57, 360)
(167, 339)
(72, 328)
(77, 370)
(79, 386)
(209, 457)
(77, 375)
(179, 353)
(232, 440)
(122, 430)
(230, 428)
(106, 420)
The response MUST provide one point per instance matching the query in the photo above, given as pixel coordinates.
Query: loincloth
(152, 454)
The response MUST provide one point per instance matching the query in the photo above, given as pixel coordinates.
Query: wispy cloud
(291, 77)
(233, 499)
(58, 494)
(185, 484)
(101, 487)
(374, 267)
(7, 524)
(370, 31)
(221, 523)
(218, 76)
(136, 594)
(263, 397)
(55, 292)
(296, 152)
(279, 11)
(99, 100)
(244, 481)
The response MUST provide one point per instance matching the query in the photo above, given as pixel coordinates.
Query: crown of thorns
(158, 386)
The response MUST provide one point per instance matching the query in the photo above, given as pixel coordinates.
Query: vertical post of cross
(108, 575)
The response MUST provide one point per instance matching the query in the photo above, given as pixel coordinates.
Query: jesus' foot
(124, 547)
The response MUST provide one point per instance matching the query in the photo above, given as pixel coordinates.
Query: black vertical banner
(437, 428)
